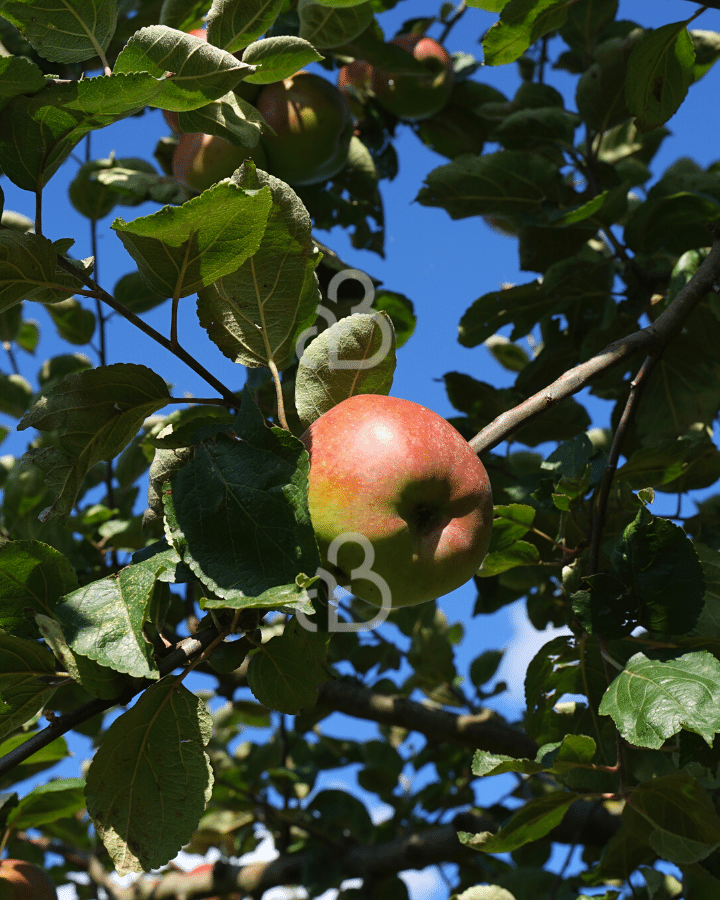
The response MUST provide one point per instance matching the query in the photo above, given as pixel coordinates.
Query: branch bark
(585, 823)
(650, 340)
(483, 731)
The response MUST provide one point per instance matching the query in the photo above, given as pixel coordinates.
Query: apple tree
(164, 602)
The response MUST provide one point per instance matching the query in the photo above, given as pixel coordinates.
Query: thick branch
(584, 823)
(650, 340)
(484, 731)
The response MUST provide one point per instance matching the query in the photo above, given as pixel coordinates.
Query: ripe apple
(403, 477)
(201, 160)
(313, 126)
(20, 880)
(208, 867)
(416, 97)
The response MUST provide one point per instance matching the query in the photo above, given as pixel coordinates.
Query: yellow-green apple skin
(20, 880)
(313, 125)
(411, 97)
(404, 478)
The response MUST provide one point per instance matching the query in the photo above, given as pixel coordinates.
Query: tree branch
(483, 731)
(637, 387)
(585, 822)
(651, 340)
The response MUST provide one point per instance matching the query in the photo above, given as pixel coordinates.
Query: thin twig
(182, 354)
(637, 387)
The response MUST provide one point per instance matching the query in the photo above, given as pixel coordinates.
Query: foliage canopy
(106, 607)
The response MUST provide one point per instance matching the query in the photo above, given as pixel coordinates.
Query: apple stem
(278, 391)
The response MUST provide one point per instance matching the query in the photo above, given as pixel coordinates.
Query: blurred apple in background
(354, 82)
(313, 126)
(406, 479)
(201, 160)
(20, 880)
(415, 97)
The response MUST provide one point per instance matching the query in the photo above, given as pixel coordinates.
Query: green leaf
(506, 549)
(686, 463)
(179, 250)
(522, 22)
(684, 391)
(607, 608)
(522, 305)
(685, 826)
(600, 92)
(22, 692)
(325, 27)
(707, 51)
(33, 575)
(485, 763)
(660, 71)
(15, 395)
(98, 680)
(489, 6)
(284, 673)
(257, 312)
(74, 323)
(278, 58)
(42, 759)
(657, 561)
(38, 133)
(240, 503)
(151, 778)
(96, 412)
(27, 262)
(709, 621)
(185, 15)
(62, 798)
(19, 76)
(509, 182)
(230, 117)
(529, 128)
(354, 356)
(104, 620)
(232, 25)
(659, 693)
(65, 31)
(200, 71)
(531, 822)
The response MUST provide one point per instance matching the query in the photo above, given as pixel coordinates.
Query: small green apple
(201, 160)
(313, 126)
(20, 880)
(412, 97)
(404, 478)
